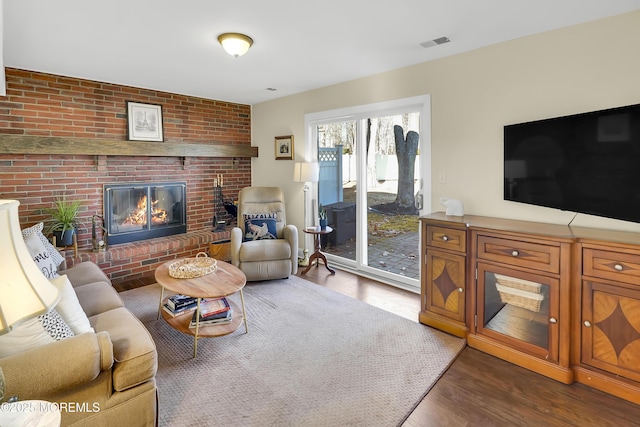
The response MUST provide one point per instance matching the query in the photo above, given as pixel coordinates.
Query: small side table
(317, 255)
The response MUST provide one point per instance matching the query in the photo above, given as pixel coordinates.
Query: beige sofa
(106, 378)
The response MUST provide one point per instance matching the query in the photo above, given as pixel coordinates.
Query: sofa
(104, 376)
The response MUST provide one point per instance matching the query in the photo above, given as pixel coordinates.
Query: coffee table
(226, 280)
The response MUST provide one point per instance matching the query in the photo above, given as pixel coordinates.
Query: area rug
(312, 357)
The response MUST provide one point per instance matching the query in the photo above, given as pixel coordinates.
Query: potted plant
(322, 214)
(64, 220)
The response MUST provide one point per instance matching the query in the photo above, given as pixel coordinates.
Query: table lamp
(24, 291)
(306, 172)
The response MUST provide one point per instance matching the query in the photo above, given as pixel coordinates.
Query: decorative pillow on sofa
(33, 333)
(41, 256)
(261, 226)
(69, 307)
(53, 252)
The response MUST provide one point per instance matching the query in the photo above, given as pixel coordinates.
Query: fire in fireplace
(138, 211)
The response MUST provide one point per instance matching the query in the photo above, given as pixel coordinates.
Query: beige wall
(473, 95)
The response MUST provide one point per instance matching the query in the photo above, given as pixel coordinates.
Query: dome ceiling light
(235, 44)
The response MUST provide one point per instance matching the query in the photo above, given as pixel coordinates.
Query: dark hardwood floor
(479, 389)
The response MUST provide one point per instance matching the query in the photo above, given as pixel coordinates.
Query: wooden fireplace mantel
(25, 144)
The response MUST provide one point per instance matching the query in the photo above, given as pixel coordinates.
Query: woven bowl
(189, 268)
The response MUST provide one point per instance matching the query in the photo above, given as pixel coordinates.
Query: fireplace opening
(139, 211)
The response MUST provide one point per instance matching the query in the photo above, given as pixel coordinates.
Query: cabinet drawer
(605, 264)
(447, 238)
(520, 253)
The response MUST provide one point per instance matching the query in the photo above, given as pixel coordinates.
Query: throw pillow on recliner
(260, 226)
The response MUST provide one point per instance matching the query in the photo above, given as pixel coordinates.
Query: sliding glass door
(373, 164)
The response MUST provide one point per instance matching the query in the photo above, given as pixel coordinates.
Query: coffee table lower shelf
(181, 324)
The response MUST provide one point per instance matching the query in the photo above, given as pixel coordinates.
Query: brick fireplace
(44, 105)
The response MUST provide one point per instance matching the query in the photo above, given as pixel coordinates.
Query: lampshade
(24, 291)
(235, 44)
(306, 172)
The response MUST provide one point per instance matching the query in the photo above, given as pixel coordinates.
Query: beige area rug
(312, 357)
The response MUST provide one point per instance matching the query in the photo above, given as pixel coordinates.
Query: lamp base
(303, 262)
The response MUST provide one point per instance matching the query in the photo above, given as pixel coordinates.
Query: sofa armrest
(236, 243)
(37, 373)
(290, 233)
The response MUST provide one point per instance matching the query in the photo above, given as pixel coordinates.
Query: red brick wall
(47, 105)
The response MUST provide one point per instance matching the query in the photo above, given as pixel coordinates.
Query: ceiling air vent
(435, 42)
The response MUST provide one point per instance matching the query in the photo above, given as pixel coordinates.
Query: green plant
(64, 215)
(322, 213)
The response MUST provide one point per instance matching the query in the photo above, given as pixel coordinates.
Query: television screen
(585, 163)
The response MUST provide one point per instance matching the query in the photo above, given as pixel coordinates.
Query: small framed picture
(284, 147)
(144, 122)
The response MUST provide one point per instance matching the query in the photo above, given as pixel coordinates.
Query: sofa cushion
(134, 351)
(265, 250)
(36, 229)
(98, 297)
(41, 256)
(85, 272)
(69, 307)
(33, 333)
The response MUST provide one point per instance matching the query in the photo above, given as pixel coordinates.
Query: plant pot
(323, 224)
(64, 238)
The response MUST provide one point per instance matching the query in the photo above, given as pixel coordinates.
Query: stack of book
(213, 312)
(180, 304)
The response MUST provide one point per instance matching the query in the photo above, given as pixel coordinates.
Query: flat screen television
(584, 163)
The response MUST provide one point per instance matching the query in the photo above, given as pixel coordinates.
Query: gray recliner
(264, 258)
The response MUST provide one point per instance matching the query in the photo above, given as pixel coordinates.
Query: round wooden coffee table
(225, 281)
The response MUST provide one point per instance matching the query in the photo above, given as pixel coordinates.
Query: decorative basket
(189, 268)
(519, 298)
(515, 283)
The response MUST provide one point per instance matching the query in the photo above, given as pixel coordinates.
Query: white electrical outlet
(442, 178)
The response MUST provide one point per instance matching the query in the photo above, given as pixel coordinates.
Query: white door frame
(358, 113)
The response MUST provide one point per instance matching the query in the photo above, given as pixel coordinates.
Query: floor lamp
(306, 172)
(24, 291)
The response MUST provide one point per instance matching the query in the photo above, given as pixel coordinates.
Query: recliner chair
(266, 247)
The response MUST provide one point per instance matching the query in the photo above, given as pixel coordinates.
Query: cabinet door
(444, 283)
(519, 309)
(611, 328)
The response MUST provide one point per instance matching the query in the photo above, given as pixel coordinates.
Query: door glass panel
(337, 150)
(392, 183)
(517, 308)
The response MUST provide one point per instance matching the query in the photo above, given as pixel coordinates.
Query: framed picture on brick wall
(144, 122)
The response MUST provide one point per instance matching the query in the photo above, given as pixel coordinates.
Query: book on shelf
(178, 301)
(210, 307)
(215, 319)
(180, 311)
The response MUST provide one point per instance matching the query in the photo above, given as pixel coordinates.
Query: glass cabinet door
(519, 309)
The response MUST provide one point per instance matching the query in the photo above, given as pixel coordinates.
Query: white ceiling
(170, 45)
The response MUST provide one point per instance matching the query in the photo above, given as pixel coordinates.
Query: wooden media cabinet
(558, 300)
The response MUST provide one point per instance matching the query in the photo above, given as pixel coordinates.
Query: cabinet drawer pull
(618, 267)
(553, 320)
(587, 323)
(445, 238)
(515, 253)
(460, 290)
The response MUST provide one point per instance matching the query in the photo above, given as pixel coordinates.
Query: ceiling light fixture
(235, 44)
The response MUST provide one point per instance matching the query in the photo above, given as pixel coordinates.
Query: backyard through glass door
(370, 189)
